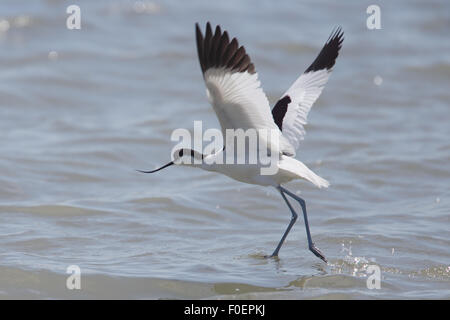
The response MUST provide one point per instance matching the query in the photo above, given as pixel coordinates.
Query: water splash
(350, 264)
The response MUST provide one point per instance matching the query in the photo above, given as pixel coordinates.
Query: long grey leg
(291, 223)
(311, 244)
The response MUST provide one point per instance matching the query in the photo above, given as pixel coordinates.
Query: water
(81, 110)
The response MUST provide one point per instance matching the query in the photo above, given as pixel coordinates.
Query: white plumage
(240, 103)
(303, 93)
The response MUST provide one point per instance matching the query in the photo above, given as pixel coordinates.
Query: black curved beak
(165, 166)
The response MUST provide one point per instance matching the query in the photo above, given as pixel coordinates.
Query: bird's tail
(300, 170)
(319, 181)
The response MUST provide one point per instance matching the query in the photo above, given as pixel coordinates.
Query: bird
(236, 95)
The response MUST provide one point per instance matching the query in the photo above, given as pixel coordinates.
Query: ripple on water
(53, 210)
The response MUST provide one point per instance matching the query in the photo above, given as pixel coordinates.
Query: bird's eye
(180, 153)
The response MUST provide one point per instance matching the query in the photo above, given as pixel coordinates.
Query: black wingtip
(336, 32)
(330, 51)
(215, 50)
(337, 35)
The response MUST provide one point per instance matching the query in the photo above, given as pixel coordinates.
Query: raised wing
(291, 111)
(232, 85)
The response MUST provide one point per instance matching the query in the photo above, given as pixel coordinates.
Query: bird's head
(185, 156)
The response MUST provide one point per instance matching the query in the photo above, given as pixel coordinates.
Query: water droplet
(146, 7)
(53, 55)
(378, 80)
(139, 6)
(22, 21)
(4, 25)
